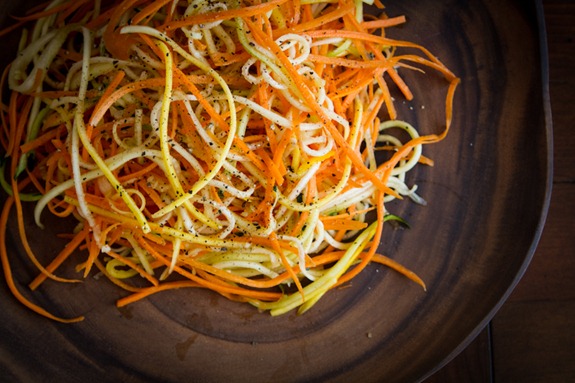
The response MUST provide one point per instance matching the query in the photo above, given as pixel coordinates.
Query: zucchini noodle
(246, 147)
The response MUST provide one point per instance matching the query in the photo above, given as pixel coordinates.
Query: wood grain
(395, 331)
(533, 335)
(473, 365)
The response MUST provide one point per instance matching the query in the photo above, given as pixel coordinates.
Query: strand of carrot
(8, 271)
(62, 256)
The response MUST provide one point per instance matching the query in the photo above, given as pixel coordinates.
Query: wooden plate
(487, 199)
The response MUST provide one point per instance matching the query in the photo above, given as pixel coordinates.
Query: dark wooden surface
(532, 337)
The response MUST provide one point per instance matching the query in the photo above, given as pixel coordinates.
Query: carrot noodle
(248, 148)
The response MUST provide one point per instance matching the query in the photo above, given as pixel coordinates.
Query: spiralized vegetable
(231, 145)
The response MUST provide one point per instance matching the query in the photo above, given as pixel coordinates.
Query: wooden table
(532, 337)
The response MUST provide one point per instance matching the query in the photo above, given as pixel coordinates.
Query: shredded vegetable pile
(235, 145)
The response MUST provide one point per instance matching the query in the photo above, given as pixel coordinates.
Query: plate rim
(541, 30)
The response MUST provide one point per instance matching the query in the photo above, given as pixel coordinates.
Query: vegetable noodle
(245, 147)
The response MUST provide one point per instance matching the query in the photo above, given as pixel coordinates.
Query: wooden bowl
(487, 194)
